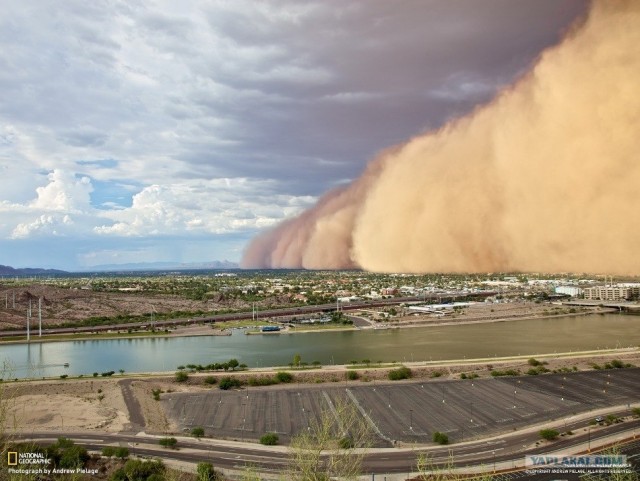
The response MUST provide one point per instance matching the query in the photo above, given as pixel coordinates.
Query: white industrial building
(572, 291)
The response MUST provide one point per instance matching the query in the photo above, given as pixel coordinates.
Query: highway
(225, 455)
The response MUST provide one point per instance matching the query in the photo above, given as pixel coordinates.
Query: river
(522, 337)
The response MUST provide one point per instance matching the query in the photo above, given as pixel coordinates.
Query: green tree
(296, 360)
(233, 364)
(197, 432)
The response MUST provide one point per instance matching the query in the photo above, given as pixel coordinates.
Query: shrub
(197, 432)
(440, 438)
(207, 473)
(400, 373)
(352, 375)
(617, 364)
(73, 457)
(269, 439)
(168, 442)
(283, 376)
(121, 452)
(64, 376)
(261, 381)
(139, 469)
(636, 412)
(108, 451)
(611, 418)
(506, 372)
(210, 380)
(181, 376)
(534, 362)
(549, 434)
(346, 443)
(436, 374)
(229, 382)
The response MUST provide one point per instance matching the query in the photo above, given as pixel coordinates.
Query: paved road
(136, 418)
(227, 455)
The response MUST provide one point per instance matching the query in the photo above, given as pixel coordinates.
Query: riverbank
(98, 404)
(476, 313)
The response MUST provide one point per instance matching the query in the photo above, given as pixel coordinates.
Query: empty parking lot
(407, 411)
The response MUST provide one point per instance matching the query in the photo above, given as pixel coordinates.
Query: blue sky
(176, 131)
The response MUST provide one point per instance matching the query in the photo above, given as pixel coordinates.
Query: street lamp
(494, 461)
(410, 419)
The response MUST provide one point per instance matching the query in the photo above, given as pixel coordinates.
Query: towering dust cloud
(545, 178)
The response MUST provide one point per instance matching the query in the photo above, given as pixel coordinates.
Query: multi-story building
(612, 293)
(572, 291)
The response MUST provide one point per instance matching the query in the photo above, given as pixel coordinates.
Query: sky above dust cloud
(140, 132)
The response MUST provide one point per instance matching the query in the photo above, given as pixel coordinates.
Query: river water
(524, 337)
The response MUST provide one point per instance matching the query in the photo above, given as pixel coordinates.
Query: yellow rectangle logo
(12, 458)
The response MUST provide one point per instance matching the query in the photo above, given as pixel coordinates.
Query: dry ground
(66, 305)
(69, 404)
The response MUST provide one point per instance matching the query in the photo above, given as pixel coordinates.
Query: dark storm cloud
(292, 97)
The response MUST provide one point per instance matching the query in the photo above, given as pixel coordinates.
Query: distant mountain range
(10, 271)
(163, 266)
(139, 266)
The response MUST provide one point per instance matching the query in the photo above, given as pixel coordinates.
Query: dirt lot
(72, 404)
(65, 305)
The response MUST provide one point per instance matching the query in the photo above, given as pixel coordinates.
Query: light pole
(410, 419)
(494, 461)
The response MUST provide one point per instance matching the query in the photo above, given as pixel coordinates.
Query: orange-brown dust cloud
(544, 178)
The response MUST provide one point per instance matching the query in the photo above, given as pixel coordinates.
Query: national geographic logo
(15, 458)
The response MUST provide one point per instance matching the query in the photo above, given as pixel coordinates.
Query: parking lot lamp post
(494, 461)
(410, 419)
(589, 439)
